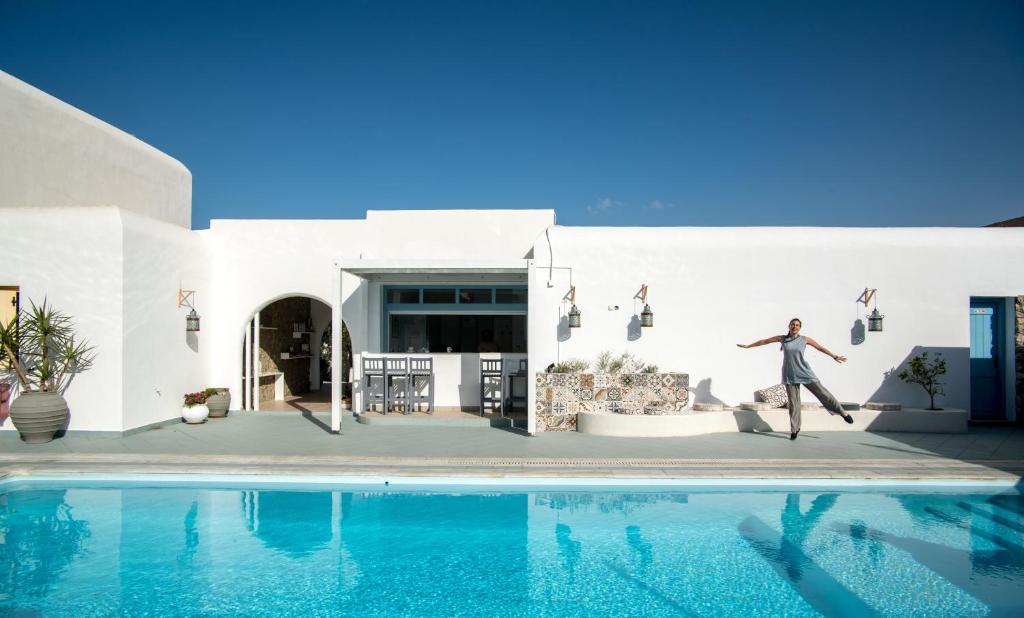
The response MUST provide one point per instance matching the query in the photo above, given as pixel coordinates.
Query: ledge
(911, 420)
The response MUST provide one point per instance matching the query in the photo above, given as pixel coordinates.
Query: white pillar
(256, 371)
(533, 334)
(247, 368)
(336, 353)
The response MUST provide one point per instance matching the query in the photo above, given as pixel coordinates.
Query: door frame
(1007, 350)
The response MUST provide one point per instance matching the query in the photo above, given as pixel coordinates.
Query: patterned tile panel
(562, 396)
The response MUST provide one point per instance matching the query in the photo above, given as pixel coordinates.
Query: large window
(454, 319)
(457, 333)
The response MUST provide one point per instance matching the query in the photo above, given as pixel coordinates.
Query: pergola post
(337, 362)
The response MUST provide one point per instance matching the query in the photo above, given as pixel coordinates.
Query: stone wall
(1020, 358)
(561, 396)
(276, 337)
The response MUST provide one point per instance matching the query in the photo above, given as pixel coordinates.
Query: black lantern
(574, 317)
(647, 317)
(875, 321)
(192, 322)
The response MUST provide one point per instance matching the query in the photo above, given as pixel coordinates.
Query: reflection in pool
(190, 551)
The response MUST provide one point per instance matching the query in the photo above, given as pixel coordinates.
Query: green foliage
(210, 392)
(609, 362)
(41, 346)
(920, 370)
(572, 365)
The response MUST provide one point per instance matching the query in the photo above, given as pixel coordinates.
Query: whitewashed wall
(161, 360)
(711, 288)
(71, 257)
(54, 155)
(117, 274)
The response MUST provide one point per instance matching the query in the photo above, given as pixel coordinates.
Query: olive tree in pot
(41, 347)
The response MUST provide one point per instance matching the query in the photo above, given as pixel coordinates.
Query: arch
(320, 321)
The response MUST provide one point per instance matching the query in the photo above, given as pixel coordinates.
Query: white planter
(195, 414)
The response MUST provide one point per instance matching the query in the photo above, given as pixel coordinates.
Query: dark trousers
(826, 398)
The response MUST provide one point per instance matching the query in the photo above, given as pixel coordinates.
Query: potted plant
(195, 411)
(218, 400)
(926, 373)
(41, 347)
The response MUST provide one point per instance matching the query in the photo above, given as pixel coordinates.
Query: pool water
(185, 551)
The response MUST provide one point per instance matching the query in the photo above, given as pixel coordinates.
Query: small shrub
(926, 373)
(571, 365)
(210, 392)
(609, 362)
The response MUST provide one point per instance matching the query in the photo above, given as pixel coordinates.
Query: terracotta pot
(37, 416)
(219, 403)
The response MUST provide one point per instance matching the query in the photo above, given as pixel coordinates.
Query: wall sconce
(186, 298)
(874, 318)
(574, 313)
(646, 316)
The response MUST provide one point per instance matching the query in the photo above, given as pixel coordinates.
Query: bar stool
(510, 387)
(421, 373)
(373, 369)
(492, 371)
(396, 369)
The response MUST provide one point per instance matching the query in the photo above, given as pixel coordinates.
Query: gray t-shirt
(795, 369)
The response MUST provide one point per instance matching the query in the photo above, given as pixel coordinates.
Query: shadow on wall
(857, 332)
(192, 340)
(562, 329)
(633, 329)
(702, 393)
(958, 376)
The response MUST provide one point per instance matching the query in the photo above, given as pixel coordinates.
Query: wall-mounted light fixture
(646, 316)
(186, 298)
(874, 318)
(574, 313)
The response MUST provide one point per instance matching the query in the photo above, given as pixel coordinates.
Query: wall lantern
(875, 321)
(646, 316)
(186, 298)
(874, 318)
(574, 313)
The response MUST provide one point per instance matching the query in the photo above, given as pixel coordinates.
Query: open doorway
(281, 357)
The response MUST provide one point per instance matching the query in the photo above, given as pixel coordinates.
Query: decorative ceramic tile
(668, 380)
(600, 407)
(543, 408)
(586, 406)
(600, 394)
(574, 407)
(601, 380)
(614, 407)
(614, 394)
(543, 379)
(559, 408)
(682, 394)
(549, 393)
(630, 379)
(586, 394)
(586, 380)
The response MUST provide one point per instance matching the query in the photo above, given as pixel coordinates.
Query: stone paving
(292, 443)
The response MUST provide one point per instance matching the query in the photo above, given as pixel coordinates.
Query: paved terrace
(299, 443)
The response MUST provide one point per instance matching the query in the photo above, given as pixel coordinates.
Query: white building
(97, 222)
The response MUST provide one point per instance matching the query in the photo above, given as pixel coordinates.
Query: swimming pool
(100, 549)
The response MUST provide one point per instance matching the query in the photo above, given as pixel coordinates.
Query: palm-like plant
(40, 345)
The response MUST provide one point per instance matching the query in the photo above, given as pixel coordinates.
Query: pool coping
(509, 470)
(385, 482)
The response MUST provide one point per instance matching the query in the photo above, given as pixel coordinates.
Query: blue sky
(612, 113)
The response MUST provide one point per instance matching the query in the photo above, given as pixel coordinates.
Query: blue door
(986, 359)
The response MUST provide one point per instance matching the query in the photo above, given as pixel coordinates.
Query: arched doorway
(283, 368)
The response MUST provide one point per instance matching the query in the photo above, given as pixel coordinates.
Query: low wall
(563, 396)
(777, 420)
